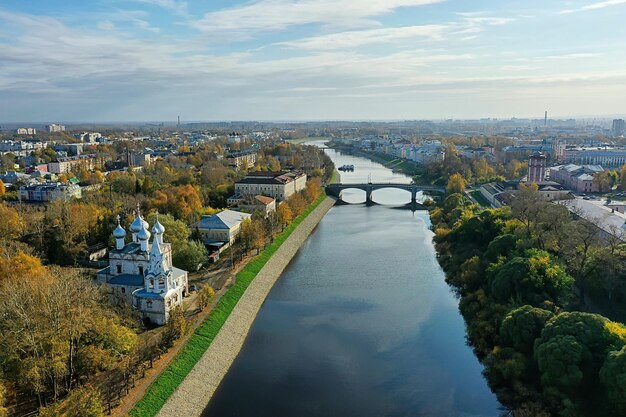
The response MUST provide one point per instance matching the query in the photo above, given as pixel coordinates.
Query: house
(242, 160)
(141, 273)
(251, 204)
(48, 191)
(578, 178)
(278, 185)
(220, 230)
(610, 223)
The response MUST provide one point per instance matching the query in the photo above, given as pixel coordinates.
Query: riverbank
(188, 384)
(396, 164)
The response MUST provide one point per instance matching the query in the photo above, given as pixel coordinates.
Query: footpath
(194, 393)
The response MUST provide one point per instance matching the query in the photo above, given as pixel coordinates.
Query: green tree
(190, 256)
(176, 231)
(572, 349)
(522, 326)
(613, 376)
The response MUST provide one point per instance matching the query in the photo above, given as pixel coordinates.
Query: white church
(141, 273)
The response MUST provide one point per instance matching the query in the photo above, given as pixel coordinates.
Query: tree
(2, 189)
(285, 216)
(533, 278)
(297, 204)
(12, 225)
(84, 401)
(522, 326)
(205, 296)
(623, 178)
(176, 231)
(573, 347)
(3, 411)
(176, 327)
(190, 256)
(456, 184)
(603, 180)
(613, 376)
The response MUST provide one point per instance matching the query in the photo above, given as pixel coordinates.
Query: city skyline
(139, 60)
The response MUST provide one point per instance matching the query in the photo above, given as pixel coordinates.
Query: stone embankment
(193, 395)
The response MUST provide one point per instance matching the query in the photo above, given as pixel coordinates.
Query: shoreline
(194, 393)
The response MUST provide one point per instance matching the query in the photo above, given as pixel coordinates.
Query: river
(360, 324)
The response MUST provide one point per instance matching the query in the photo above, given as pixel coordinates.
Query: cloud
(561, 57)
(355, 39)
(276, 15)
(177, 6)
(594, 6)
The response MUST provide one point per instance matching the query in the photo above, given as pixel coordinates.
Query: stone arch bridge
(335, 190)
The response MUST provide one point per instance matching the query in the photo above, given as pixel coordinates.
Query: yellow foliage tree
(456, 184)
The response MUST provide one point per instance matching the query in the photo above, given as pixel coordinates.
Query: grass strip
(166, 383)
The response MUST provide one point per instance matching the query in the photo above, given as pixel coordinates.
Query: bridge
(336, 189)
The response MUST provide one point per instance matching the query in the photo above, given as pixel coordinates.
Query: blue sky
(135, 60)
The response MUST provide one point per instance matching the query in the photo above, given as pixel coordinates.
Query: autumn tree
(456, 184)
(12, 224)
(2, 189)
(3, 411)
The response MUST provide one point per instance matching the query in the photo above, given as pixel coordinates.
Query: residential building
(278, 185)
(141, 273)
(26, 131)
(88, 137)
(607, 157)
(55, 128)
(252, 204)
(619, 127)
(72, 163)
(242, 160)
(48, 191)
(220, 230)
(578, 178)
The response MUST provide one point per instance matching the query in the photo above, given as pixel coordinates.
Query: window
(151, 285)
(161, 282)
(123, 290)
(140, 270)
(149, 304)
(119, 269)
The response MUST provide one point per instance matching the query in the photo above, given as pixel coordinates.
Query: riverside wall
(194, 393)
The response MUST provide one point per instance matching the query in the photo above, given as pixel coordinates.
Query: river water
(360, 324)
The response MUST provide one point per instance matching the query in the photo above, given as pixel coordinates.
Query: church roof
(129, 280)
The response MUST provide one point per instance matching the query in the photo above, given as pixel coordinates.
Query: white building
(26, 131)
(141, 273)
(55, 128)
(220, 230)
(278, 185)
(49, 191)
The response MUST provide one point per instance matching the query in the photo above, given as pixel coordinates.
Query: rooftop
(226, 219)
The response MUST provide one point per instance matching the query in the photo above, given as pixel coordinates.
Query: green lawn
(165, 384)
(480, 198)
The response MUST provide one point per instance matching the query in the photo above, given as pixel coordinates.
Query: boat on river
(345, 168)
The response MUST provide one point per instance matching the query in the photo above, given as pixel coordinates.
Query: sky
(152, 60)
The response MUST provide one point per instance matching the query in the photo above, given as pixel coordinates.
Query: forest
(543, 297)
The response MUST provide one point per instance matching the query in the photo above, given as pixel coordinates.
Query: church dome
(143, 234)
(138, 223)
(119, 232)
(158, 227)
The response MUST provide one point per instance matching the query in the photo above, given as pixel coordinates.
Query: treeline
(523, 274)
